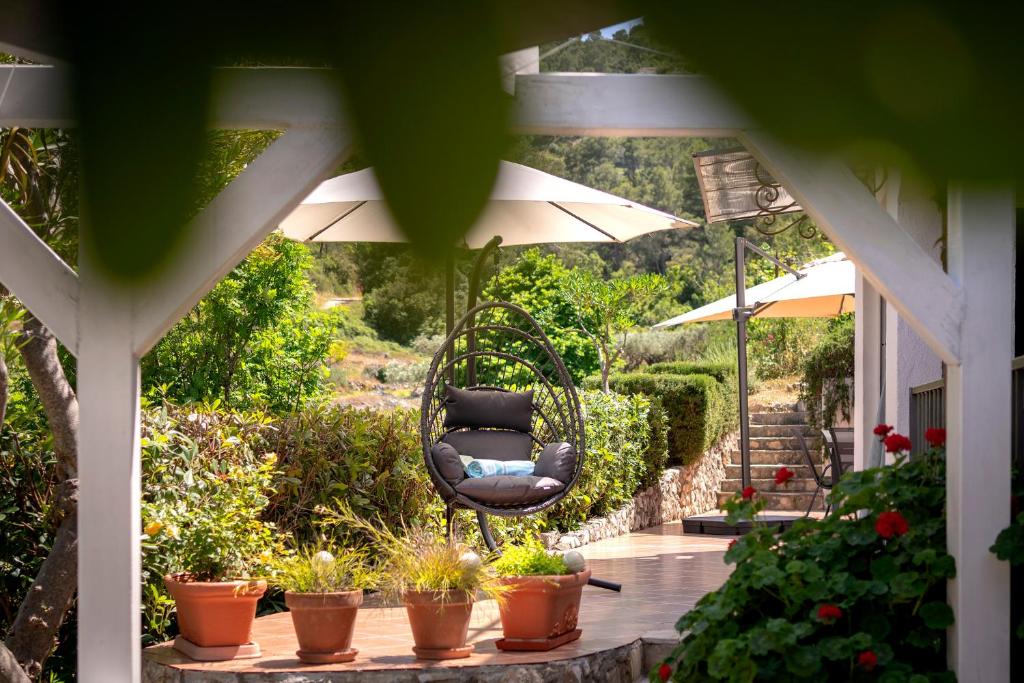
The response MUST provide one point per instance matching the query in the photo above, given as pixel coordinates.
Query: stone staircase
(773, 444)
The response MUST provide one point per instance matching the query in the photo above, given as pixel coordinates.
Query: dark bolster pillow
(448, 462)
(488, 409)
(491, 444)
(557, 461)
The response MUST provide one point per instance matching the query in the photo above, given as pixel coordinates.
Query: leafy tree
(534, 281)
(607, 309)
(254, 339)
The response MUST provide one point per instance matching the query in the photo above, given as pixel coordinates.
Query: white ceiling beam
(889, 258)
(623, 105)
(39, 278)
(237, 219)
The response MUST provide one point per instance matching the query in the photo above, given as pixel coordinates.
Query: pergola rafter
(114, 326)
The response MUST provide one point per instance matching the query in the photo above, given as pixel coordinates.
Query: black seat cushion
(448, 463)
(488, 409)
(509, 490)
(558, 461)
(491, 444)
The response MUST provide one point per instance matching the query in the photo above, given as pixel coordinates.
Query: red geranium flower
(664, 671)
(882, 429)
(867, 660)
(783, 475)
(894, 443)
(935, 436)
(891, 524)
(828, 613)
(748, 492)
(732, 543)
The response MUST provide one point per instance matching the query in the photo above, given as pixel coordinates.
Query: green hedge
(700, 409)
(723, 372)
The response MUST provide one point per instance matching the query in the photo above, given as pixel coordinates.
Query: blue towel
(496, 468)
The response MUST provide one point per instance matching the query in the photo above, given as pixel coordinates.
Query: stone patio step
(781, 443)
(782, 430)
(777, 500)
(784, 418)
(770, 457)
(765, 471)
(795, 485)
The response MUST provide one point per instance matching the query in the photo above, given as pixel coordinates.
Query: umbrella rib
(607, 234)
(334, 222)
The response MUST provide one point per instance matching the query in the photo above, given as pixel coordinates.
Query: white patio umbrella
(823, 290)
(527, 206)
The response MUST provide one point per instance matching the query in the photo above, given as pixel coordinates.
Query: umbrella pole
(449, 312)
(740, 315)
(471, 297)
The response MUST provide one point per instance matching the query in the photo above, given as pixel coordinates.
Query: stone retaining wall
(682, 491)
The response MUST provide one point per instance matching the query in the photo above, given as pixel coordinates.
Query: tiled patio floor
(663, 573)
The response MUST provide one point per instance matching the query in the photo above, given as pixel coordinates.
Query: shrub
(810, 603)
(823, 387)
(373, 460)
(529, 560)
(698, 408)
(723, 372)
(645, 348)
(621, 457)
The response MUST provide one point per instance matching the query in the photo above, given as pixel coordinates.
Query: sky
(609, 31)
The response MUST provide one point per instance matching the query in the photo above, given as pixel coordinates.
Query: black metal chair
(825, 478)
(497, 389)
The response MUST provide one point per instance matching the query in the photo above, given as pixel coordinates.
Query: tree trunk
(59, 401)
(10, 672)
(3, 389)
(34, 632)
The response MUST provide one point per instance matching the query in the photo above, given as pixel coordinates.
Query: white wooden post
(109, 649)
(981, 261)
(866, 369)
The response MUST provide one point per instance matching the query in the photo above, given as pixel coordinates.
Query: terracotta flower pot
(216, 614)
(540, 612)
(440, 622)
(324, 623)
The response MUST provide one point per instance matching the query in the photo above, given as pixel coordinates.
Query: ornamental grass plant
(859, 595)
(420, 560)
(323, 569)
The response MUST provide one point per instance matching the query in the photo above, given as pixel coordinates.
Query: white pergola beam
(978, 406)
(928, 299)
(38, 277)
(623, 105)
(237, 219)
(265, 98)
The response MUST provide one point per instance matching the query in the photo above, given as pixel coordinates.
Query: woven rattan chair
(497, 389)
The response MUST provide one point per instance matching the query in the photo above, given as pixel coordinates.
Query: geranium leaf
(936, 615)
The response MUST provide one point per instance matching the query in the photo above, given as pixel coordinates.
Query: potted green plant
(437, 579)
(541, 605)
(214, 547)
(323, 592)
